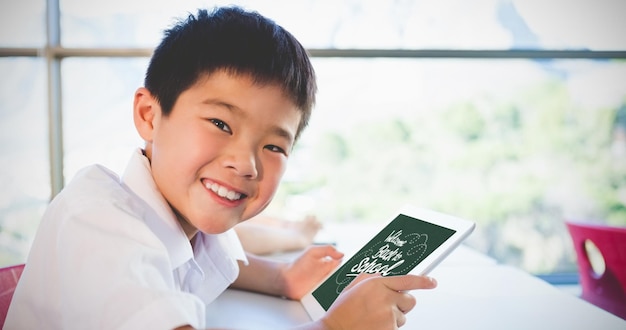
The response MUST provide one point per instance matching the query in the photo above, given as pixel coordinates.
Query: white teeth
(224, 192)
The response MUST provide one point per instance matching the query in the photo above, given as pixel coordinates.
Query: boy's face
(220, 154)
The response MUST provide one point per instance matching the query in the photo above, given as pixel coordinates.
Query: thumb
(322, 251)
(409, 282)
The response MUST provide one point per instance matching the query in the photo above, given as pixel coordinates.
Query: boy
(226, 96)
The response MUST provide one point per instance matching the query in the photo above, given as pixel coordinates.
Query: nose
(243, 162)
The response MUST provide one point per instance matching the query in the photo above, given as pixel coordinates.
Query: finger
(400, 317)
(406, 302)
(329, 264)
(322, 251)
(409, 282)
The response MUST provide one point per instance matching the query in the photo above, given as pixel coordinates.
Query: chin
(214, 230)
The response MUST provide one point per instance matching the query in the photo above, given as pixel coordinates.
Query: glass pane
(565, 24)
(446, 24)
(22, 23)
(97, 111)
(24, 164)
(516, 145)
(119, 23)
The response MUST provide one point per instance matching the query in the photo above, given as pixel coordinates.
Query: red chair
(605, 286)
(8, 280)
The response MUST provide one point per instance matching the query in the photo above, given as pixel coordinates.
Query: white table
(474, 292)
(502, 297)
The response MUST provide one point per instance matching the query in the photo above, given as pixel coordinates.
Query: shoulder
(94, 186)
(92, 181)
(96, 202)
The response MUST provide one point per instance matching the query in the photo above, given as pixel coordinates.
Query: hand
(308, 270)
(375, 302)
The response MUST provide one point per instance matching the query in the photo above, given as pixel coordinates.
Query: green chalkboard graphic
(395, 250)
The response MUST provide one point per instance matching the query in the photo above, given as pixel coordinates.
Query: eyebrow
(283, 133)
(221, 104)
(230, 107)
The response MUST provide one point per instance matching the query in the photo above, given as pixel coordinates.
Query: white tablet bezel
(462, 228)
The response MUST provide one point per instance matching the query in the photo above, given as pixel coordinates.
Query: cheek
(178, 161)
(194, 149)
(273, 173)
(267, 190)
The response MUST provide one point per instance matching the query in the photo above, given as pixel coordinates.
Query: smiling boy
(219, 158)
(227, 94)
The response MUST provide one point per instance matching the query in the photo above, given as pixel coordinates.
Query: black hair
(238, 41)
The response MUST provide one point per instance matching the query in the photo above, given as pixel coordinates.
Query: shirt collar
(138, 177)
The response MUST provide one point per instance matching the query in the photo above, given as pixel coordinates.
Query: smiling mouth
(223, 191)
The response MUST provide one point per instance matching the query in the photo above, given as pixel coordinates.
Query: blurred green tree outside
(519, 167)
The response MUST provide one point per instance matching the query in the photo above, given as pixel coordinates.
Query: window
(515, 144)
(486, 109)
(25, 175)
(97, 112)
(23, 24)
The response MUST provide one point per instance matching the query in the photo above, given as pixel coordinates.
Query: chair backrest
(606, 287)
(8, 281)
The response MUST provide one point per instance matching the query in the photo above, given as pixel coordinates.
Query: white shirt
(109, 254)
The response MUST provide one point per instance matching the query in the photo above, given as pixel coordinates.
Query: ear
(145, 112)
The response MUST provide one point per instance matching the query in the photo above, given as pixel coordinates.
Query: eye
(274, 148)
(221, 125)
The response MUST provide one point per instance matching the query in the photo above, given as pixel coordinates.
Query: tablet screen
(395, 250)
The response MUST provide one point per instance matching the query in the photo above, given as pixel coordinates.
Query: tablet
(414, 240)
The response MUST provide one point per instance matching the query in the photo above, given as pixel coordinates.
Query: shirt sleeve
(94, 264)
(120, 274)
